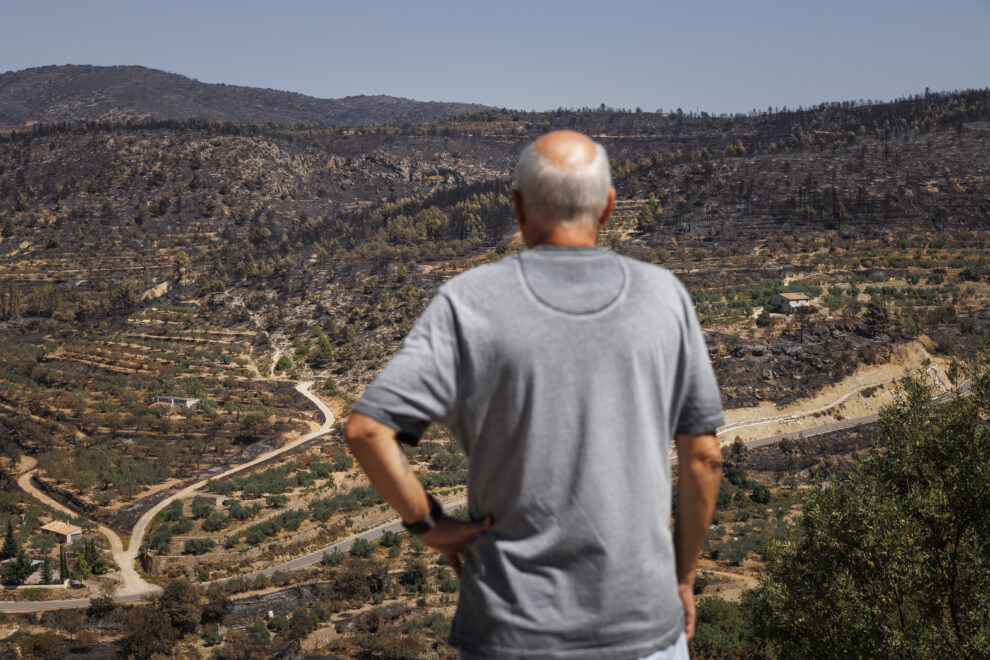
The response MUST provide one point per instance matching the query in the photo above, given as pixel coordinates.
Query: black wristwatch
(427, 523)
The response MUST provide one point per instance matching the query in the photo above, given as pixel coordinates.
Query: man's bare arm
(380, 455)
(700, 460)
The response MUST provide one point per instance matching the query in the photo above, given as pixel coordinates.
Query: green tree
(81, 569)
(216, 605)
(180, 602)
(362, 548)
(324, 353)
(63, 565)
(894, 562)
(93, 556)
(16, 570)
(46, 571)
(721, 629)
(199, 507)
(10, 545)
(760, 494)
(147, 632)
(877, 316)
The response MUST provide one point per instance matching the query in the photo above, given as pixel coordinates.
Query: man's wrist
(428, 522)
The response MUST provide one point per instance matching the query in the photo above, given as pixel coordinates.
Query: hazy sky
(718, 56)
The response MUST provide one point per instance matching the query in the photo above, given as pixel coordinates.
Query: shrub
(276, 501)
(760, 494)
(181, 526)
(390, 539)
(332, 558)
(449, 583)
(215, 522)
(172, 512)
(198, 546)
(362, 548)
(200, 507)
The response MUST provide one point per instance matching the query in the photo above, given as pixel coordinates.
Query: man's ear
(608, 207)
(517, 207)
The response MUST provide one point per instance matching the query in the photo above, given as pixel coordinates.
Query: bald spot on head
(568, 150)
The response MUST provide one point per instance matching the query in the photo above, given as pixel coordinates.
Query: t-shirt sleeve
(419, 384)
(701, 407)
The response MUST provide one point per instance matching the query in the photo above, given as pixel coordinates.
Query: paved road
(312, 558)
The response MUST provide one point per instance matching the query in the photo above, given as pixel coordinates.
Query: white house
(176, 401)
(214, 498)
(65, 532)
(785, 302)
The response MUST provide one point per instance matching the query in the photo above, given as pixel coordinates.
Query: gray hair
(555, 194)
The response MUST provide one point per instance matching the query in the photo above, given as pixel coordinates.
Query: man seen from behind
(565, 372)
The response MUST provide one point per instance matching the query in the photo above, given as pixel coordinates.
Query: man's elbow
(360, 430)
(703, 452)
(711, 458)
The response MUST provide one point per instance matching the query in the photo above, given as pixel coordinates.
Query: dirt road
(133, 586)
(129, 557)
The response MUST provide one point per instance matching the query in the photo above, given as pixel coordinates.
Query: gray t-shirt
(564, 373)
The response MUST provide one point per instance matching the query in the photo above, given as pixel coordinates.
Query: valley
(190, 305)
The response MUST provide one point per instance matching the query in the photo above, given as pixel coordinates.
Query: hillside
(71, 93)
(233, 263)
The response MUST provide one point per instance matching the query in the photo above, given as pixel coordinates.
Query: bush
(390, 539)
(215, 522)
(362, 548)
(276, 501)
(288, 520)
(721, 629)
(200, 507)
(760, 494)
(181, 526)
(160, 538)
(238, 511)
(198, 546)
(100, 606)
(449, 583)
(172, 512)
(736, 476)
(332, 558)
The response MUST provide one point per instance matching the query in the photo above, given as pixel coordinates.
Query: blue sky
(718, 56)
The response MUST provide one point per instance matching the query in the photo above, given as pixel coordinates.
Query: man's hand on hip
(686, 592)
(450, 537)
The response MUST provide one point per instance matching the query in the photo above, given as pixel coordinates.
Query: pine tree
(46, 571)
(82, 571)
(324, 353)
(17, 570)
(10, 546)
(93, 557)
(63, 565)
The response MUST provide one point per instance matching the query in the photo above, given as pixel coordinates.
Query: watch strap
(427, 523)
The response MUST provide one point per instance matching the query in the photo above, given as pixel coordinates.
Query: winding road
(134, 587)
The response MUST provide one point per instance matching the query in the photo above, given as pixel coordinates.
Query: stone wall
(159, 564)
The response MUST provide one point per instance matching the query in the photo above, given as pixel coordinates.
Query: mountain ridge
(77, 92)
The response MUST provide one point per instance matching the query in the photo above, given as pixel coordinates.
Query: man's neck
(567, 236)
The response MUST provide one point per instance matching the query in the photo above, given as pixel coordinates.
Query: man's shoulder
(651, 275)
(486, 277)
